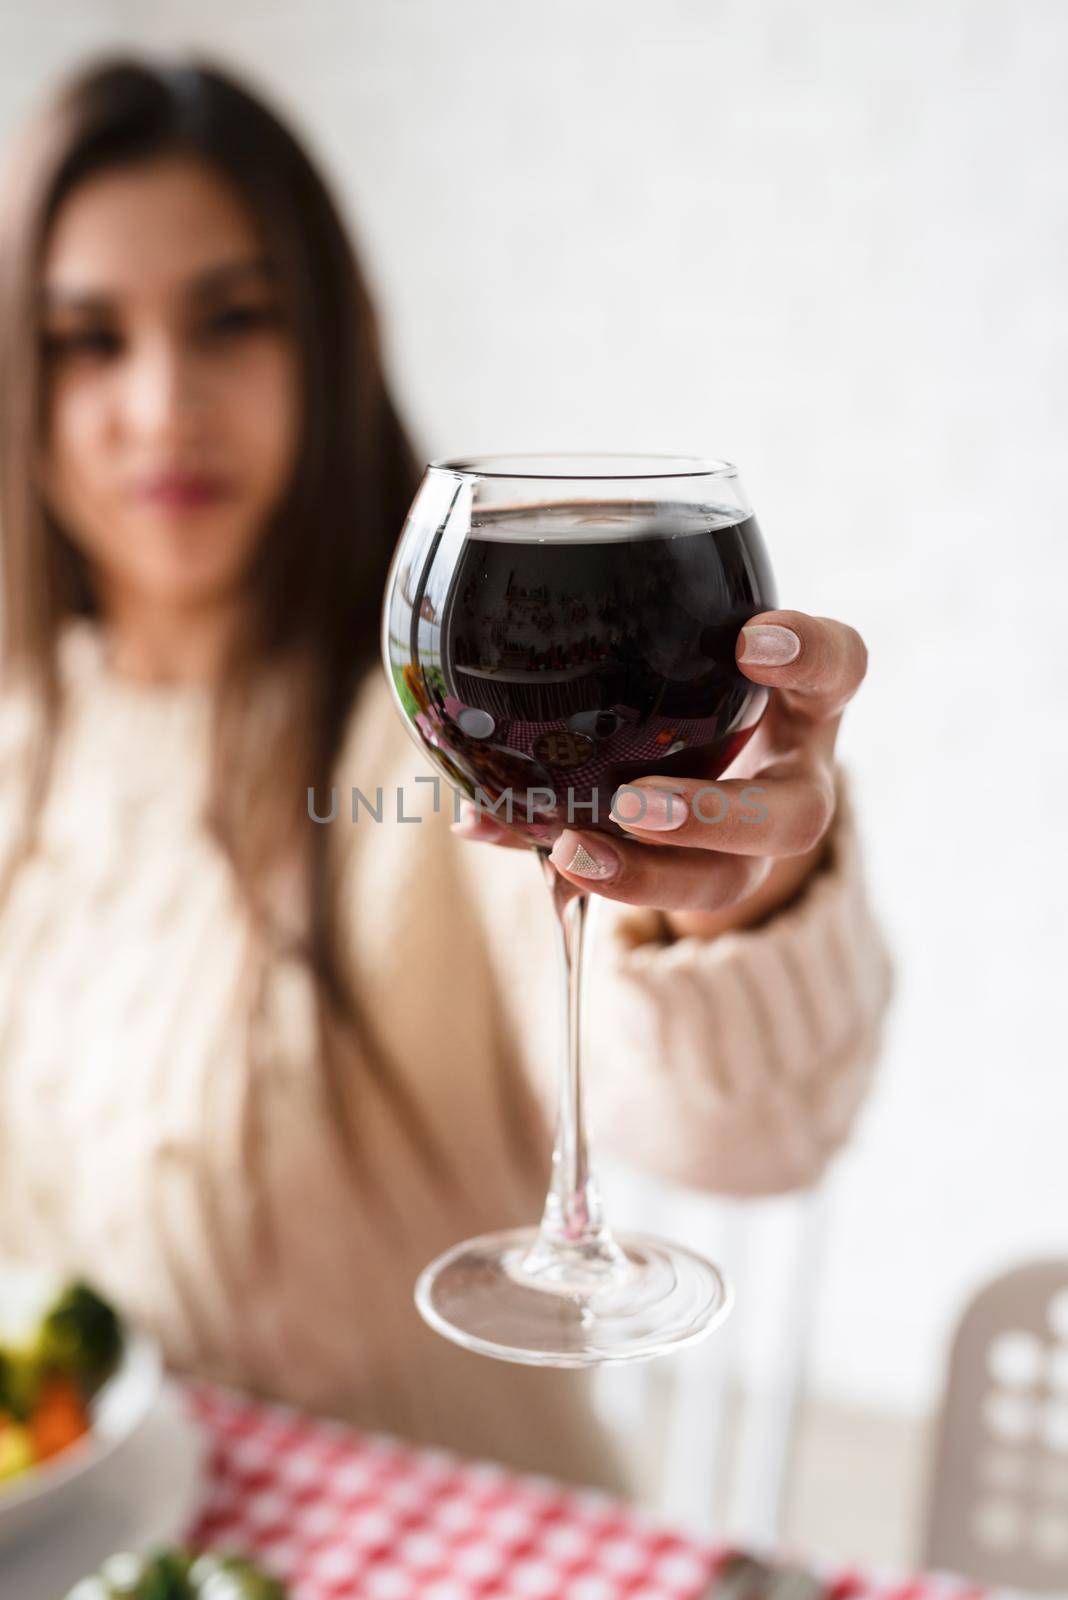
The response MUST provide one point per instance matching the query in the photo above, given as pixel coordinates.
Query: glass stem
(574, 1245)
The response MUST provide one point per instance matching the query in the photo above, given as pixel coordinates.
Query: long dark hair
(316, 585)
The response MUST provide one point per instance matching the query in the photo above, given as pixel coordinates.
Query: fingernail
(464, 819)
(464, 827)
(471, 823)
(769, 645)
(585, 856)
(647, 805)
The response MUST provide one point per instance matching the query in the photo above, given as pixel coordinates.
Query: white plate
(117, 1411)
(145, 1495)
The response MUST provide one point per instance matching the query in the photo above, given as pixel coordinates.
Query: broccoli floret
(166, 1577)
(81, 1336)
(20, 1380)
(215, 1577)
(163, 1576)
(177, 1575)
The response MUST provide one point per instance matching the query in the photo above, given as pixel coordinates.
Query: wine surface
(561, 651)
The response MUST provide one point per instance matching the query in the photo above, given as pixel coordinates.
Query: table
(341, 1515)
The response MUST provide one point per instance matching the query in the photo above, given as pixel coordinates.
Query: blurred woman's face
(172, 416)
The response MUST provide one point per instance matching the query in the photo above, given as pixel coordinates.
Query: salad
(49, 1375)
(177, 1575)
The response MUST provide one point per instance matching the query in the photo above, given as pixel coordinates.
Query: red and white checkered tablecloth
(340, 1515)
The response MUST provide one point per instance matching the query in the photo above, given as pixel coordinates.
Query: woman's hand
(719, 854)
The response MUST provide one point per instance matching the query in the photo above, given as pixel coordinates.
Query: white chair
(998, 1498)
(714, 1427)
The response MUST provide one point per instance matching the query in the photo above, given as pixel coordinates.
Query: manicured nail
(648, 805)
(769, 645)
(471, 823)
(585, 856)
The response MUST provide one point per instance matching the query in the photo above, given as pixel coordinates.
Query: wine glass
(555, 627)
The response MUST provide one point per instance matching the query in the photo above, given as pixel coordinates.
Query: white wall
(828, 242)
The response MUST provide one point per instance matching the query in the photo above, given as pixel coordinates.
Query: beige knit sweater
(162, 1122)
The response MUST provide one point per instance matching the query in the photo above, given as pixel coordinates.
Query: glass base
(656, 1298)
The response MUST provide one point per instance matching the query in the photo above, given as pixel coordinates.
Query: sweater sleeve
(739, 1064)
(735, 1064)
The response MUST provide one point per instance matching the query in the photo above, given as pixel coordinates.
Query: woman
(255, 1072)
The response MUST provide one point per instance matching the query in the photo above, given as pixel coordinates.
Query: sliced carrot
(58, 1419)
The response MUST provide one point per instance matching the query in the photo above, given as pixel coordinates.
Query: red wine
(570, 649)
